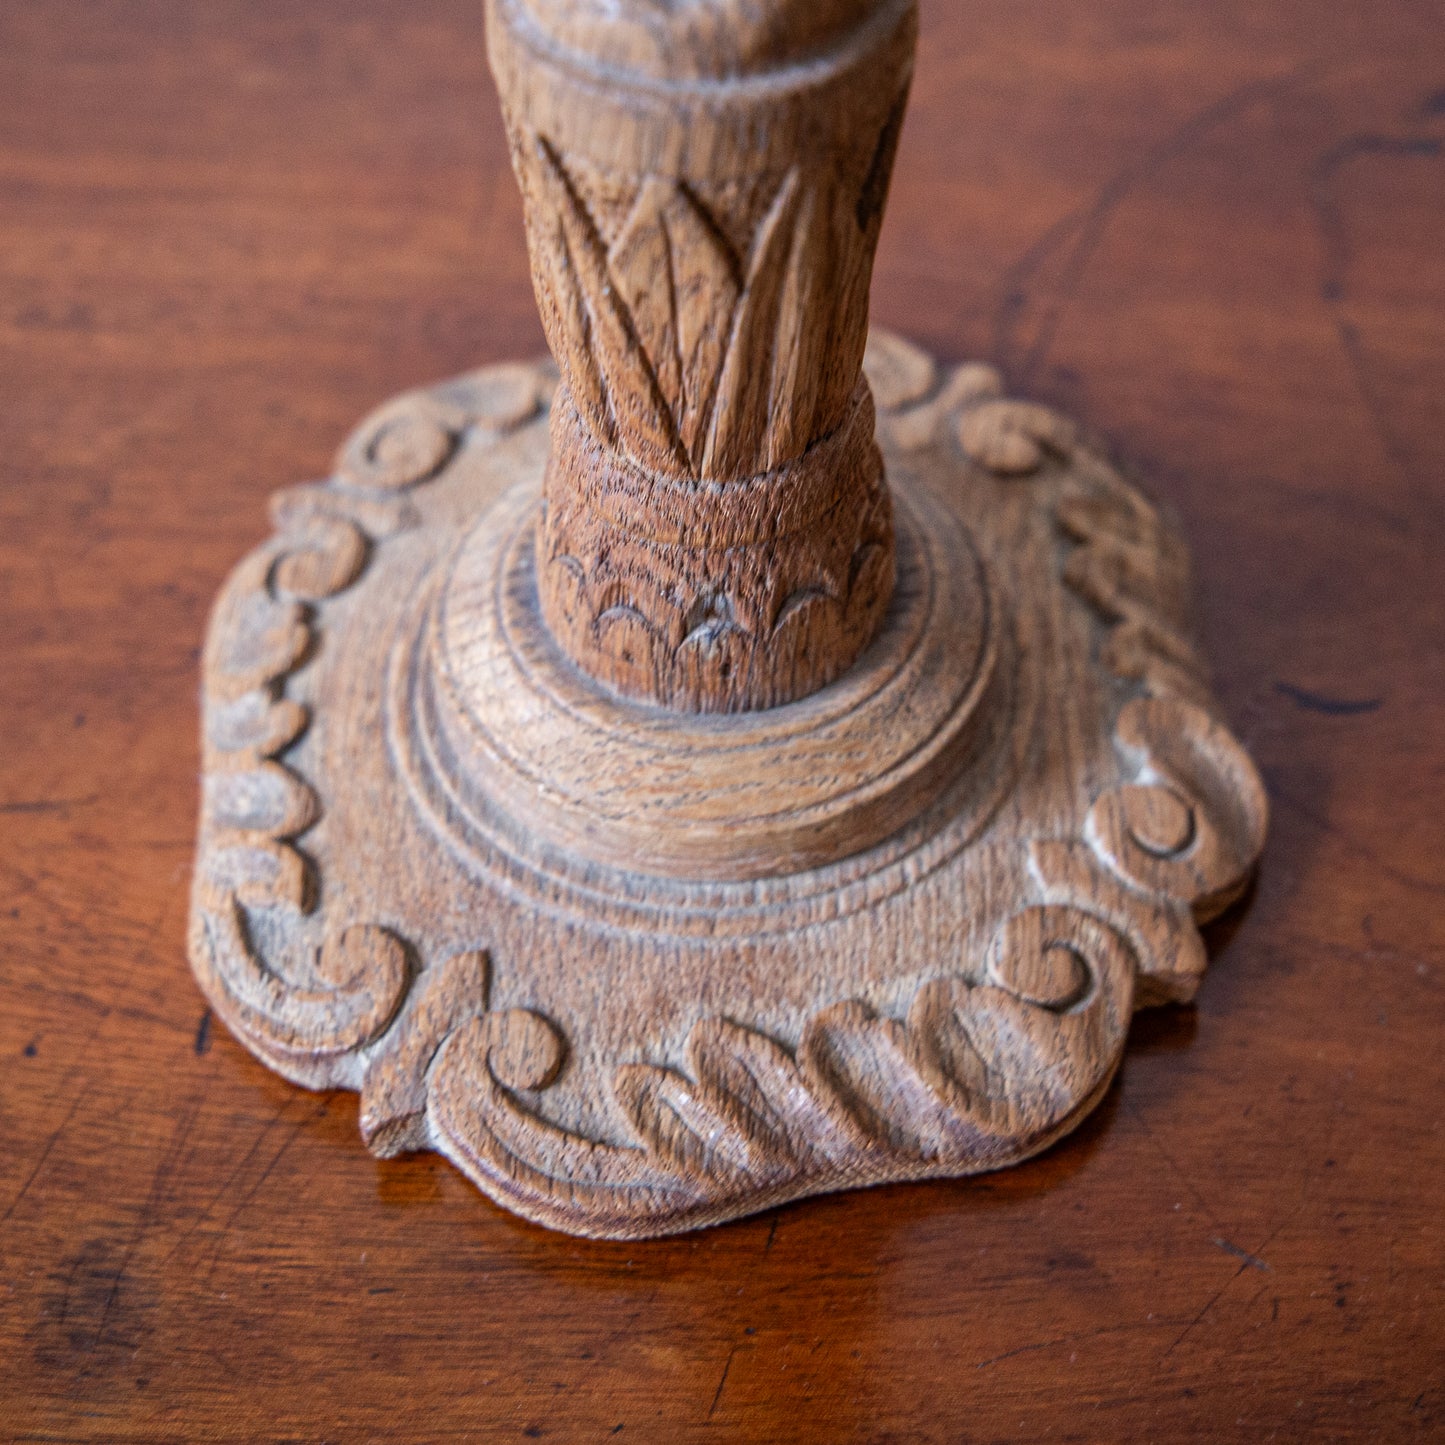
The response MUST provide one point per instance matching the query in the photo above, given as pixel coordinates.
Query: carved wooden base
(637, 971)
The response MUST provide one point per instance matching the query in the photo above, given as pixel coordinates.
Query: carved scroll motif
(330, 998)
(988, 1067)
(254, 807)
(1189, 821)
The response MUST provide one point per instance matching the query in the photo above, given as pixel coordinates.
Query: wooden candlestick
(627, 790)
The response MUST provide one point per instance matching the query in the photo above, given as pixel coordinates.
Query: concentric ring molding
(698, 797)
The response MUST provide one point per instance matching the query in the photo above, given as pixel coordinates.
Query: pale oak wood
(637, 971)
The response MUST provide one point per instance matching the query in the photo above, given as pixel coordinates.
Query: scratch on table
(1329, 706)
(1088, 225)
(252, 1192)
(1325, 825)
(1077, 1337)
(1238, 1253)
(717, 1394)
(225, 1186)
(50, 805)
(161, 1182)
(1174, 1167)
(50, 1144)
(1339, 257)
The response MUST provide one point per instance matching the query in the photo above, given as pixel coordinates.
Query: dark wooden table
(1217, 232)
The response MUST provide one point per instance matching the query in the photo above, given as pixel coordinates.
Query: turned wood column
(703, 187)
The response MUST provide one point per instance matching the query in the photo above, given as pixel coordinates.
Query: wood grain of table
(1217, 234)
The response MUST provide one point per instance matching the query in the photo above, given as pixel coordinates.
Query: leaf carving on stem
(680, 277)
(683, 353)
(757, 377)
(598, 328)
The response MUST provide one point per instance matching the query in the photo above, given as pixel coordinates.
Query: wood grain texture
(1213, 234)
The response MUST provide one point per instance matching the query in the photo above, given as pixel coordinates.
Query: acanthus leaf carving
(759, 369)
(622, 397)
(642, 261)
(688, 357)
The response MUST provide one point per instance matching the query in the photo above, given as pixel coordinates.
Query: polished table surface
(1217, 233)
